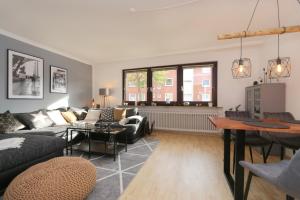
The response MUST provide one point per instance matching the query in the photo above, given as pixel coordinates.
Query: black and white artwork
(25, 76)
(59, 80)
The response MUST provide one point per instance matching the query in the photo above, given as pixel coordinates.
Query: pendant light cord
(252, 16)
(249, 24)
(279, 25)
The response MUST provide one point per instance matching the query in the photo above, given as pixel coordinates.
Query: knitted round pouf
(62, 178)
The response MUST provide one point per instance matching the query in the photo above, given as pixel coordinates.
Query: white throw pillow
(57, 118)
(93, 115)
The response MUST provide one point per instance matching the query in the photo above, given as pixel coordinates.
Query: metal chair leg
(251, 156)
(294, 151)
(233, 168)
(288, 197)
(282, 152)
(264, 154)
(248, 185)
(269, 151)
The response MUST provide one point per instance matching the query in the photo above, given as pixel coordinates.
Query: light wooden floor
(185, 167)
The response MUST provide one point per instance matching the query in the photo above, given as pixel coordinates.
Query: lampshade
(241, 68)
(104, 91)
(279, 68)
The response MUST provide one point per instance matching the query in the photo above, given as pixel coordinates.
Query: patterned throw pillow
(107, 115)
(9, 124)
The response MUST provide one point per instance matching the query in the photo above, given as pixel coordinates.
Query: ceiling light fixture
(279, 67)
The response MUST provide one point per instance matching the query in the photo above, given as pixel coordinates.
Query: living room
(168, 99)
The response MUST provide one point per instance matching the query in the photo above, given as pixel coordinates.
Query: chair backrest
(279, 115)
(241, 114)
(289, 179)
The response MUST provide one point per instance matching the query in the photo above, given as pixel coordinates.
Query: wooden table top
(226, 123)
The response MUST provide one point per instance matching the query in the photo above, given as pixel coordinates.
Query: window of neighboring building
(169, 82)
(164, 83)
(206, 97)
(168, 97)
(205, 83)
(135, 85)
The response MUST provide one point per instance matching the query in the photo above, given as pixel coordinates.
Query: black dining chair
(285, 140)
(252, 138)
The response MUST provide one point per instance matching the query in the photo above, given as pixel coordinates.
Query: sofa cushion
(48, 131)
(57, 117)
(8, 123)
(69, 116)
(107, 115)
(131, 112)
(35, 120)
(93, 115)
(119, 114)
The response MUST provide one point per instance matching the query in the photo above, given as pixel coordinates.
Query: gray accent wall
(79, 79)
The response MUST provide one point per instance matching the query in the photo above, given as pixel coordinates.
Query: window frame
(179, 68)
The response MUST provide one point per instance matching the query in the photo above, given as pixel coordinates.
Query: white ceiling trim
(42, 46)
(198, 50)
(166, 7)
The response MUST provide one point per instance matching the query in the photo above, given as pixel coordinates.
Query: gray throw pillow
(35, 120)
(107, 115)
(9, 124)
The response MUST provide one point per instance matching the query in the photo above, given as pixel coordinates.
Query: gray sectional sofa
(48, 141)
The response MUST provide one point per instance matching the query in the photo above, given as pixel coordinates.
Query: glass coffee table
(108, 134)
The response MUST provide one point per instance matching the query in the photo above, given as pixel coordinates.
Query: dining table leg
(227, 135)
(239, 170)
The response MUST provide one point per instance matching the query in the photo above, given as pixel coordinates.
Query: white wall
(230, 91)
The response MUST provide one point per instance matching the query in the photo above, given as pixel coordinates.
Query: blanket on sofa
(11, 143)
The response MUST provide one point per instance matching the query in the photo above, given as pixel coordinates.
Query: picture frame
(25, 76)
(58, 80)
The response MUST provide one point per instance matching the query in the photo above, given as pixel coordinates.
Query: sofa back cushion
(8, 123)
(57, 117)
(93, 115)
(35, 120)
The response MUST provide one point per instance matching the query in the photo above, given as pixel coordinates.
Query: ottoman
(63, 178)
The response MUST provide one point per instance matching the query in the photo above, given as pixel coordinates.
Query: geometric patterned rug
(114, 176)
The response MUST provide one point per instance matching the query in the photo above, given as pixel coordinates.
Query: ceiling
(101, 31)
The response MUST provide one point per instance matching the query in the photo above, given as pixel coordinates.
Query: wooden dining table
(236, 184)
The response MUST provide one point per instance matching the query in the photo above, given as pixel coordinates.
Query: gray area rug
(114, 176)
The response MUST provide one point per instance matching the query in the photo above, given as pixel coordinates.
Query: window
(164, 84)
(136, 85)
(169, 82)
(194, 83)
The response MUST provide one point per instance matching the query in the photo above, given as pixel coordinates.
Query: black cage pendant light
(241, 68)
(281, 66)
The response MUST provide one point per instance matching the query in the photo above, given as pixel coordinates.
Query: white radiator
(193, 119)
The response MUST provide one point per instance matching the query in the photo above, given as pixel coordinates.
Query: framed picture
(58, 80)
(25, 76)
